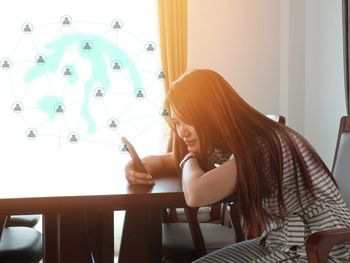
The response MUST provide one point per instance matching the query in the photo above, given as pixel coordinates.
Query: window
(75, 78)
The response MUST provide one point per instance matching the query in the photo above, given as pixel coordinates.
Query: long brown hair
(222, 119)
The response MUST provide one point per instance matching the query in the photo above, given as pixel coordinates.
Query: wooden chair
(277, 118)
(23, 220)
(185, 241)
(319, 244)
(19, 244)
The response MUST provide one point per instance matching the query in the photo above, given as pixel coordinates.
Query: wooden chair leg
(173, 215)
(215, 212)
(198, 240)
(3, 220)
(235, 221)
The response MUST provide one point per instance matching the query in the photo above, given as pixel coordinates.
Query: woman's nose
(183, 131)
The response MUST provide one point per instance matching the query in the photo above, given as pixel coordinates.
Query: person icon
(5, 64)
(113, 124)
(40, 60)
(67, 72)
(161, 75)
(27, 29)
(117, 25)
(66, 21)
(31, 134)
(17, 108)
(164, 112)
(124, 148)
(87, 46)
(150, 48)
(99, 93)
(73, 139)
(140, 94)
(116, 66)
(59, 109)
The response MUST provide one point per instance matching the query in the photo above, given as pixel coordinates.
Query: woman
(222, 145)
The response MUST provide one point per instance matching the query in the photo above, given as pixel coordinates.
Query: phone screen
(138, 165)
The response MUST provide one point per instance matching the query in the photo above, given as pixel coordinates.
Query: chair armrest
(319, 244)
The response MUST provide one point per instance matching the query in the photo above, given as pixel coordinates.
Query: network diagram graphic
(80, 82)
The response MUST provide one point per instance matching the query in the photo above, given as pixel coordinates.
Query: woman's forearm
(203, 188)
(191, 185)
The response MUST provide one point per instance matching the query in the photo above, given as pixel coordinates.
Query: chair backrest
(277, 118)
(341, 163)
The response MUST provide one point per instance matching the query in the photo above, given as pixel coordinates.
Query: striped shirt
(304, 215)
(327, 211)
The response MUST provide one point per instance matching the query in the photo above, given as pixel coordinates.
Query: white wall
(240, 40)
(324, 83)
(283, 57)
(294, 63)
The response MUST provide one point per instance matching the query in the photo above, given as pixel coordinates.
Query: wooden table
(65, 218)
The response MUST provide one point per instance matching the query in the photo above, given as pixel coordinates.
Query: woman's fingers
(140, 178)
(134, 177)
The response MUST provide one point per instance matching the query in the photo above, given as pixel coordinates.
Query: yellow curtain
(173, 38)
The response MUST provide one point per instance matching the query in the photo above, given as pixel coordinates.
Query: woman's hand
(156, 166)
(135, 177)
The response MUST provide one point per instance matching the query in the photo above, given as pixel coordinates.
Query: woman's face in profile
(187, 133)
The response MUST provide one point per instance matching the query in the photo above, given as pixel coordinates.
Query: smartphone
(138, 165)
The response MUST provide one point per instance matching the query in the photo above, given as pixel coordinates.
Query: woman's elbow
(193, 200)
